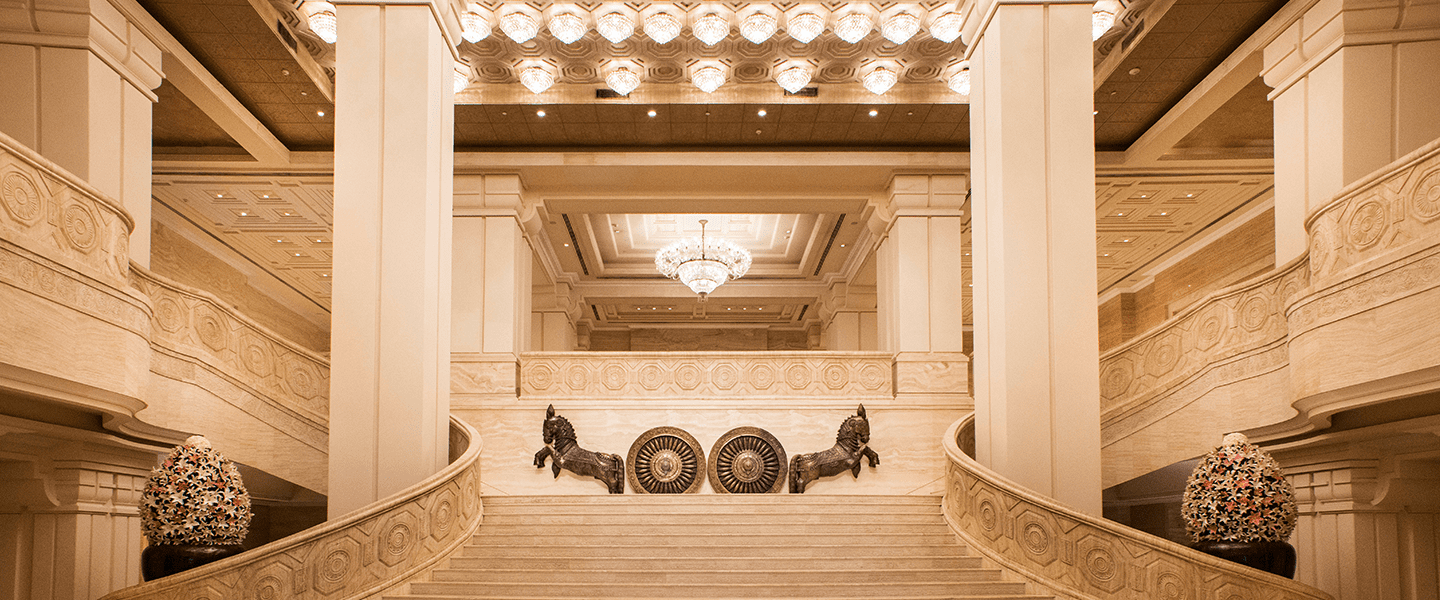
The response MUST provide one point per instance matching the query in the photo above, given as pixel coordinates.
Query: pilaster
(918, 288)
(1353, 90)
(394, 172)
(1033, 215)
(77, 88)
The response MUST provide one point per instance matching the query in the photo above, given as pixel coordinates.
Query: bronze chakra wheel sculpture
(666, 460)
(747, 460)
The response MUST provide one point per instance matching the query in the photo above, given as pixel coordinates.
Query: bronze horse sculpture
(565, 453)
(851, 443)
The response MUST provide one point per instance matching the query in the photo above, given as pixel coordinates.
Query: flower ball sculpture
(195, 498)
(1238, 494)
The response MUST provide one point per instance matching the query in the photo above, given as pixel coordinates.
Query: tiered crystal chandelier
(703, 263)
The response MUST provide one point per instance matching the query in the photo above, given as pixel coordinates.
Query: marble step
(584, 537)
(773, 528)
(862, 560)
(725, 503)
(661, 572)
(840, 547)
(718, 597)
(736, 589)
(496, 518)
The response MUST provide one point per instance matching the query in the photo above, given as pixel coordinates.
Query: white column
(1033, 207)
(75, 84)
(394, 166)
(1354, 89)
(919, 287)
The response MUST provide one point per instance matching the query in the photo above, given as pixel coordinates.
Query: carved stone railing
(365, 553)
(739, 374)
(195, 326)
(1076, 555)
(46, 210)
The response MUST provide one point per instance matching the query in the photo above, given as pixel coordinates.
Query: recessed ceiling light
(319, 241)
(219, 195)
(567, 245)
(539, 113)
(1119, 214)
(1164, 213)
(874, 112)
(652, 113)
(244, 214)
(320, 113)
(287, 214)
(297, 254)
(727, 308)
(1105, 254)
(324, 274)
(1125, 241)
(842, 245)
(1144, 196)
(761, 112)
(1189, 195)
(266, 196)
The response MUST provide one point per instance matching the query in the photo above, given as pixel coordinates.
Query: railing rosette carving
(1397, 205)
(1238, 320)
(50, 212)
(639, 374)
(1081, 556)
(196, 324)
(364, 553)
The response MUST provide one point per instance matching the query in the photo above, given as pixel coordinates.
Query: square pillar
(76, 84)
(1037, 391)
(1354, 89)
(394, 170)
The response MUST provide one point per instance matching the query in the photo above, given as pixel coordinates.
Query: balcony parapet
(1074, 555)
(363, 554)
(52, 213)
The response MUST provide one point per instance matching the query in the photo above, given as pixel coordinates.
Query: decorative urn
(194, 510)
(1239, 506)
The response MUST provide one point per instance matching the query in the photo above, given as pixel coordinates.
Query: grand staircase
(715, 546)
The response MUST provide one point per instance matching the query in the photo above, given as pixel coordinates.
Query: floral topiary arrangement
(1238, 494)
(195, 498)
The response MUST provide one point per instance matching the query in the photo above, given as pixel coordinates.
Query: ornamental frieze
(632, 374)
(1384, 212)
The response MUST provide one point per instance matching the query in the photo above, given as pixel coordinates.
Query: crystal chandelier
(711, 29)
(794, 78)
(758, 27)
(321, 18)
(519, 26)
(900, 27)
(623, 81)
(854, 27)
(616, 27)
(537, 79)
(567, 27)
(662, 27)
(805, 27)
(474, 26)
(1100, 22)
(703, 264)
(960, 81)
(880, 80)
(946, 27)
(708, 78)
(462, 77)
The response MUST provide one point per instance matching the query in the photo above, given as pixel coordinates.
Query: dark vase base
(1271, 557)
(161, 560)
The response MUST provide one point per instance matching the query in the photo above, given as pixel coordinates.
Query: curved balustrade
(1080, 556)
(361, 554)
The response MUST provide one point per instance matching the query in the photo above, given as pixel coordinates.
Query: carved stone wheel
(666, 460)
(748, 460)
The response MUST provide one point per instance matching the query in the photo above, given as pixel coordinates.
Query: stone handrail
(1193, 346)
(361, 554)
(1080, 556)
(51, 212)
(198, 327)
(1387, 210)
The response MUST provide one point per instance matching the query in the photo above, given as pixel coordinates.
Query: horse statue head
(556, 427)
(855, 431)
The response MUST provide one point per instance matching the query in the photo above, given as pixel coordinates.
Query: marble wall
(800, 398)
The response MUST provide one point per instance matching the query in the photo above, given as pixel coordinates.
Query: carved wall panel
(629, 374)
(1063, 549)
(194, 324)
(56, 215)
(366, 553)
(1397, 205)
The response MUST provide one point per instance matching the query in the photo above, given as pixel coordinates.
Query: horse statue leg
(616, 481)
(540, 457)
(797, 476)
(873, 456)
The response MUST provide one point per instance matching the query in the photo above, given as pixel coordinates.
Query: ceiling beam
(1238, 70)
(1122, 49)
(307, 63)
(192, 79)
